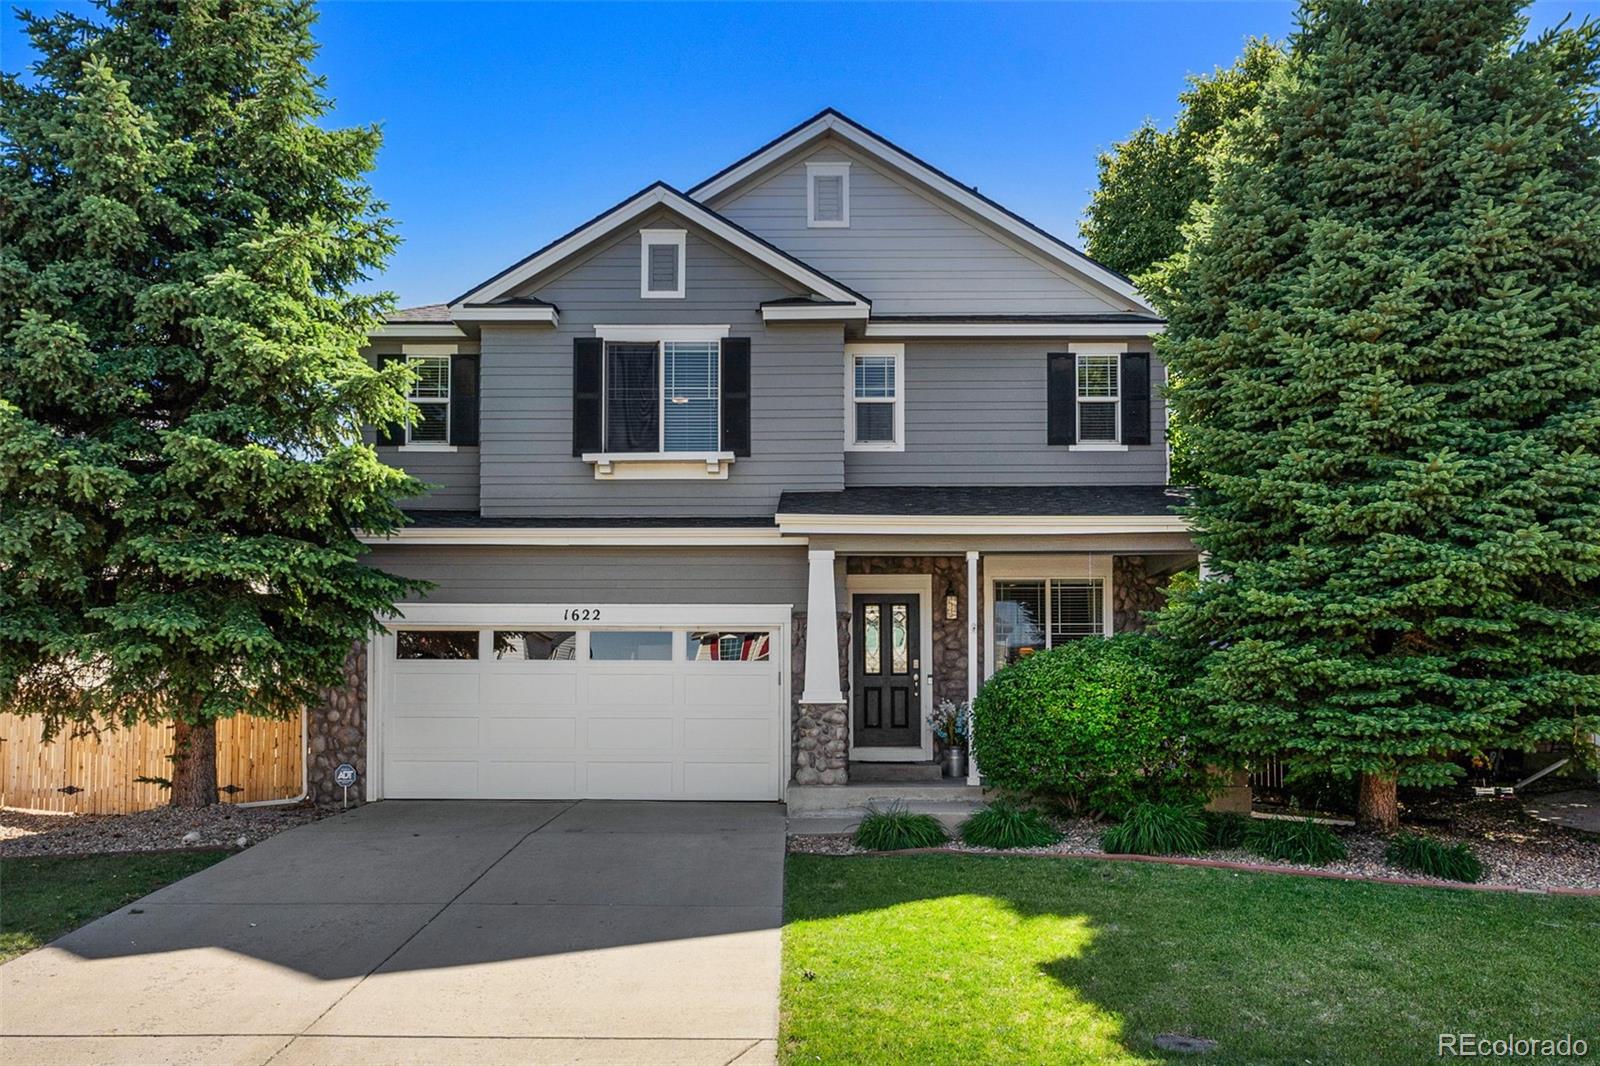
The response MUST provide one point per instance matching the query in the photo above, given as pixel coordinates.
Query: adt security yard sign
(344, 777)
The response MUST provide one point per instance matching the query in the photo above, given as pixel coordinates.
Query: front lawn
(936, 959)
(42, 898)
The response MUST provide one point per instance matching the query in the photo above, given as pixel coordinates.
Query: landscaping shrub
(894, 828)
(1424, 855)
(1003, 824)
(1298, 840)
(1095, 723)
(1225, 829)
(1156, 829)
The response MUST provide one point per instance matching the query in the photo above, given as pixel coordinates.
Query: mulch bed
(1517, 851)
(223, 825)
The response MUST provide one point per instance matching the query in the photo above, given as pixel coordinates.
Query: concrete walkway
(435, 933)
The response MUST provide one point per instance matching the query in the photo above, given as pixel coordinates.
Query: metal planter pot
(954, 762)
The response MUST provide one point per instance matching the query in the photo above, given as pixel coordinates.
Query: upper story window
(827, 195)
(661, 264)
(662, 397)
(430, 392)
(1099, 399)
(875, 392)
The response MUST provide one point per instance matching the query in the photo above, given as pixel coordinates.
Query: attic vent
(661, 263)
(827, 194)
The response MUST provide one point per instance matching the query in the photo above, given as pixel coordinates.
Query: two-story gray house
(735, 484)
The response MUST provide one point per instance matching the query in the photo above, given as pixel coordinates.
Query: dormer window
(661, 264)
(827, 195)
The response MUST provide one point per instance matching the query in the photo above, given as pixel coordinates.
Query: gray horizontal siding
(903, 248)
(485, 574)
(454, 476)
(797, 420)
(976, 415)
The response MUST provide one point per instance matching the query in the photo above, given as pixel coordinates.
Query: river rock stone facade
(336, 732)
(820, 733)
(1135, 592)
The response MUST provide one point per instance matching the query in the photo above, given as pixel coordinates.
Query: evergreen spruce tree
(181, 389)
(1150, 182)
(1387, 324)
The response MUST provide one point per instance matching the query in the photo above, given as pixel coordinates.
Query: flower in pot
(949, 724)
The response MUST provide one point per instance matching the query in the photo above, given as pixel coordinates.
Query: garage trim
(380, 649)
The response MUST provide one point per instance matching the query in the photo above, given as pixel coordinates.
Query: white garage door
(517, 712)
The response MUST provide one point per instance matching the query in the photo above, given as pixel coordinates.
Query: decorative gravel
(1515, 850)
(162, 829)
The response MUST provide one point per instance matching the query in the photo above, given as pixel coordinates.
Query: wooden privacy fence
(257, 759)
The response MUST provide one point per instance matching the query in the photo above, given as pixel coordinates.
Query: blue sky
(507, 124)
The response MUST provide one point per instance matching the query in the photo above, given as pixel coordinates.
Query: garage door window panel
(725, 646)
(625, 646)
(530, 645)
(458, 644)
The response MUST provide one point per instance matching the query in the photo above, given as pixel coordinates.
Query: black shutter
(586, 356)
(1062, 390)
(736, 395)
(1135, 388)
(390, 436)
(464, 399)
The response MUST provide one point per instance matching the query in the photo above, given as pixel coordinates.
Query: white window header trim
(629, 333)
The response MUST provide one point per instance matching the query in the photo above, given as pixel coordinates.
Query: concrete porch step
(904, 772)
(823, 823)
(858, 795)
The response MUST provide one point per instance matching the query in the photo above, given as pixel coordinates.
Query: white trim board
(416, 329)
(598, 536)
(513, 313)
(877, 148)
(868, 584)
(1013, 329)
(657, 195)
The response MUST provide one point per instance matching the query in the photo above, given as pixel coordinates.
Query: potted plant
(949, 725)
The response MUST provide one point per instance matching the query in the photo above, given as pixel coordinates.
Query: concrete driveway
(435, 933)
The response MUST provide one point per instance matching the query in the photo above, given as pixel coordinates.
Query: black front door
(887, 649)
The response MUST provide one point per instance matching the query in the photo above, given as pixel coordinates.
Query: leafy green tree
(181, 388)
(1150, 182)
(1388, 326)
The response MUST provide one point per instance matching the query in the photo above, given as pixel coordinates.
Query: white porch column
(822, 631)
(973, 630)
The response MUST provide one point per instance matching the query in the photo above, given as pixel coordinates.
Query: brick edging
(1223, 864)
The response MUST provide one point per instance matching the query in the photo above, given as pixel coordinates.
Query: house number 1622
(581, 614)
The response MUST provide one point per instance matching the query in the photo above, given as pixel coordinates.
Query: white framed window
(430, 392)
(875, 385)
(1099, 407)
(1040, 602)
(828, 195)
(662, 263)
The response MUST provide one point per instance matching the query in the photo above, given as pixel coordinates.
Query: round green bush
(1095, 723)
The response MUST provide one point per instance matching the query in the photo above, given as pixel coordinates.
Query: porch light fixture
(952, 603)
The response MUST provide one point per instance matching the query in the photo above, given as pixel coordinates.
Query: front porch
(918, 623)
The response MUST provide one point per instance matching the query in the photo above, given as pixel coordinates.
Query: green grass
(934, 959)
(41, 899)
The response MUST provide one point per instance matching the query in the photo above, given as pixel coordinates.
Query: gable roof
(647, 199)
(966, 197)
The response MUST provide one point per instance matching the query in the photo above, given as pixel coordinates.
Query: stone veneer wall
(336, 732)
(1135, 592)
(820, 733)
